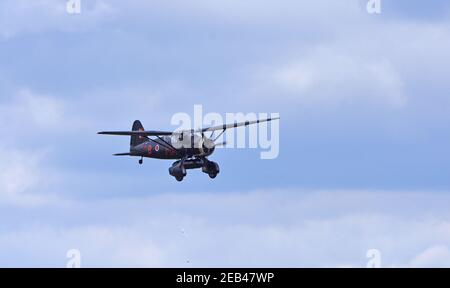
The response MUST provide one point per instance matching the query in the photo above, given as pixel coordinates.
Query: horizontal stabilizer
(122, 154)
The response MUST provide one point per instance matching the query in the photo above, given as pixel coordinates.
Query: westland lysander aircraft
(191, 148)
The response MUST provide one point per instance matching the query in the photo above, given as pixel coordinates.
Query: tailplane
(122, 154)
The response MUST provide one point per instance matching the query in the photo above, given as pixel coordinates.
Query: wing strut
(220, 134)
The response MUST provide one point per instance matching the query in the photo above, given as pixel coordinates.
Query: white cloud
(99, 246)
(362, 62)
(279, 228)
(24, 171)
(434, 256)
(328, 76)
(256, 13)
(23, 177)
(27, 111)
(119, 105)
(22, 16)
(37, 110)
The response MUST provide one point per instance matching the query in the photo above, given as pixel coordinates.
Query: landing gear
(178, 170)
(211, 168)
(141, 160)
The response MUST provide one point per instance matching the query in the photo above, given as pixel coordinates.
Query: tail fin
(136, 140)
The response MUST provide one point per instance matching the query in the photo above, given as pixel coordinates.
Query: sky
(363, 164)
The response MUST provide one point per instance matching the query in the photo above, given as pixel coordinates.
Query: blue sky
(363, 161)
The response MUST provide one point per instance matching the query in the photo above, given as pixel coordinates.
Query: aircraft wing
(234, 125)
(136, 133)
(166, 133)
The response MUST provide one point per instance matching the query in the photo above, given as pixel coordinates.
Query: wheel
(141, 161)
(211, 168)
(179, 178)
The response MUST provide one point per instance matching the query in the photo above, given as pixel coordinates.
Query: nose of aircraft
(208, 146)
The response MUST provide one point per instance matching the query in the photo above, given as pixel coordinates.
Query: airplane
(191, 148)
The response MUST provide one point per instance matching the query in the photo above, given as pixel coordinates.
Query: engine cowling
(207, 147)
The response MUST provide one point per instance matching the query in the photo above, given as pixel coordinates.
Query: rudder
(136, 140)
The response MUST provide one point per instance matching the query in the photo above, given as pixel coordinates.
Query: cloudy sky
(364, 135)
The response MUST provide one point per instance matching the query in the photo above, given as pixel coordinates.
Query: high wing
(235, 125)
(166, 133)
(136, 133)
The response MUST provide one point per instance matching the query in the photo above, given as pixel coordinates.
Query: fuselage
(172, 148)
